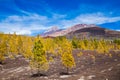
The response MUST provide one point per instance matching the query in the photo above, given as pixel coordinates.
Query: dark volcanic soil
(103, 68)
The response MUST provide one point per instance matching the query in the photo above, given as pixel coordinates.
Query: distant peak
(54, 28)
(55, 31)
(85, 25)
(79, 26)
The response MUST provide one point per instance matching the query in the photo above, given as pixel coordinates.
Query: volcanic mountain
(83, 31)
(51, 31)
(96, 32)
(54, 31)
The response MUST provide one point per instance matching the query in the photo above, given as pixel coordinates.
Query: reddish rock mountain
(57, 32)
(51, 31)
(82, 31)
(97, 32)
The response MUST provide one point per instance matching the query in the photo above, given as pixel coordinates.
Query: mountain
(96, 32)
(51, 31)
(58, 32)
(82, 31)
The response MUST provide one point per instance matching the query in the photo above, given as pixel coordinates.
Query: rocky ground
(103, 68)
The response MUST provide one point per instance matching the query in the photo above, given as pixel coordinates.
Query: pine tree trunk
(67, 70)
(38, 70)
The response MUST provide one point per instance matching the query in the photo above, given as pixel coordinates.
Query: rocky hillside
(51, 31)
(82, 31)
(94, 32)
(58, 32)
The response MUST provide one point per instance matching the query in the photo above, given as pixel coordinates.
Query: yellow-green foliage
(101, 46)
(36, 49)
(13, 52)
(66, 54)
(79, 54)
(49, 45)
(2, 51)
(19, 44)
(67, 60)
(3, 47)
(117, 44)
(75, 43)
(39, 60)
(51, 59)
(82, 45)
(27, 47)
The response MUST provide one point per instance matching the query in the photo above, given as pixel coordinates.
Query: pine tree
(49, 45)
(82, 45)
(27, 47)
(2, 51)
(39, 60)
(19, 44)
(86, 44)
(75, 43)
(3, 47)
(12, 44)
(66, 55)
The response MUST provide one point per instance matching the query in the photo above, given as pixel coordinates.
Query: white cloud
(33, 17)
(34, 22)
(117, 30)
(28, 24)
(96, 18)
(21, 28)
(21, 32)
(23, 24)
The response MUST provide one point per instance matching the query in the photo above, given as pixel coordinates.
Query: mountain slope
(97, 32)
(51, 31)
(83, 31)
(68, 30)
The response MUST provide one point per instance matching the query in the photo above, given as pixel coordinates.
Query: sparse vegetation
(40, 52)
(39, 60)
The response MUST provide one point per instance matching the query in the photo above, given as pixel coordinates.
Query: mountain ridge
(84, 31)
(61, 32)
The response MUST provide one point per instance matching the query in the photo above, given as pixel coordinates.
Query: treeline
(99, 45)
(37, 49)
(12, 45)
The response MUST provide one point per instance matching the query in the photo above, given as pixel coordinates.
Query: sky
(30, 17)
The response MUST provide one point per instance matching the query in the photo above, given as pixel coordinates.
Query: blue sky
(35, 16)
